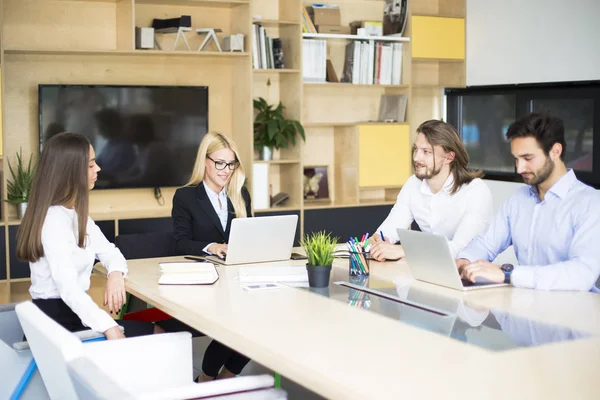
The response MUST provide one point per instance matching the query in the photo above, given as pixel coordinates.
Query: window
(482, 116)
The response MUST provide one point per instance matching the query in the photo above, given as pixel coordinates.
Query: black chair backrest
(146, 245)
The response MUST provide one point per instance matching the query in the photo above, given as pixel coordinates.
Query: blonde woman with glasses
(202, 214)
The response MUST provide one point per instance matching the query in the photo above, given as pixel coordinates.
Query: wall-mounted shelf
(150, 53)
(346, 124)
(202, 3)
(275, 71)
(437, 60)
(277, 209)
(355, 37)
(274, 22)
(276, 162)
(338, 85)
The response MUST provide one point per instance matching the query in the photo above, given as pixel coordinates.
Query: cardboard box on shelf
(372, 28)
(341, 30)
(328, 15)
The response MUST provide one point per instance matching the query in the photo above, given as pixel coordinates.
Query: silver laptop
(430, 260)
(259, 239)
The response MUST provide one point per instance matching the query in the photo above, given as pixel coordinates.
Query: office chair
(146, 367)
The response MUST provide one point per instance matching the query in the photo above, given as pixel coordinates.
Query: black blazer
(196, 222)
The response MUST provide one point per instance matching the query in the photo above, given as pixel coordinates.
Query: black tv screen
(143, 136)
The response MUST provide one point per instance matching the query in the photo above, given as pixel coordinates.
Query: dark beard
(543, 173)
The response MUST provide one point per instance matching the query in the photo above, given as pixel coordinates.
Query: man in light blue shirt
(553, 224)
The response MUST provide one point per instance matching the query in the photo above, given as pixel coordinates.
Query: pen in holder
(359, 263)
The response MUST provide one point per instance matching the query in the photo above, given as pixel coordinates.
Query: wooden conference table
(343, 352)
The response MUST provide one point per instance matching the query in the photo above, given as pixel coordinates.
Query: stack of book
(372, 62)
(266, 52)
(314, 60)
(307, 24)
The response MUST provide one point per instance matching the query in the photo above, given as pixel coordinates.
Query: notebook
(188, 273)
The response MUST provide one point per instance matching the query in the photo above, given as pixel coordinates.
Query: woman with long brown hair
(60, 241)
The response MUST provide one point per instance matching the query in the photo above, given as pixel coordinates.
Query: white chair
(147, 367)
(92, 383)
(15, 363)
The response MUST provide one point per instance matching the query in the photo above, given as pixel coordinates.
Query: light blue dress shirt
(556, 240)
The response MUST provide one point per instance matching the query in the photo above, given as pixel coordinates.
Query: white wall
(527, 41)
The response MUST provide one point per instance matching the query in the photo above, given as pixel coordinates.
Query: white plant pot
(266, 153)
(21, 208)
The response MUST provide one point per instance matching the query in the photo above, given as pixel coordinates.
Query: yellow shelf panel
(383, 156)
(438, 38)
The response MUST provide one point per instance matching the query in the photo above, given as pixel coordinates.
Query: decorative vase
(21, 208)
(266, 153)
(318, 277)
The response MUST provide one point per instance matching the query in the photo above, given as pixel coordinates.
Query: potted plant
(272, 130)
(319, 248)
(18, 190)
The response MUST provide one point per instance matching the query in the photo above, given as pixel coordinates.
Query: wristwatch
(507, 269)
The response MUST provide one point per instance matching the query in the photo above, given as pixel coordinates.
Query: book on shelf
(395, 15)
(267, 52)
(314, 60)
(392, 108)
(187, 273)
(373, 63)
(307, 24)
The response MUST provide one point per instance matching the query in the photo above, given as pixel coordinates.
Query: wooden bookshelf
(92, 42)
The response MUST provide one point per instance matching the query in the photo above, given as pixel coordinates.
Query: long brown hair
(212, 142)
(439, 133)
(61, 179)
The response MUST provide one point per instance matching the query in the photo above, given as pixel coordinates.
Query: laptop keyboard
(467, 283)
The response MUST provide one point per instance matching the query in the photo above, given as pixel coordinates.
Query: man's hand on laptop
(382, 251)
(462, 262)
(482, 269)
(218, 249)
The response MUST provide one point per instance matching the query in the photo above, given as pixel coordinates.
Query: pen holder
(358, 263)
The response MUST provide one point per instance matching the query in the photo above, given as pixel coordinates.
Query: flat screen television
(143, 136)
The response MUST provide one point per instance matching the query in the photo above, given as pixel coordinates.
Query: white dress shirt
(220, 208)
(64, 270)
(459, 217)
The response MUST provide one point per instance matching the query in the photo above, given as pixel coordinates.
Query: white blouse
(64, 270)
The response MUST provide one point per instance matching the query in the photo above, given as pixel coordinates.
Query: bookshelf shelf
(436, 60)
(355, 37)
(201, 3)
(346, 124)
(353, 85)
(147, 53)
(275, 71)
(274, 22)
(277, 209)
(276, 162)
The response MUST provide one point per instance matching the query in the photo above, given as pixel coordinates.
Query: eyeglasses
(220, 165)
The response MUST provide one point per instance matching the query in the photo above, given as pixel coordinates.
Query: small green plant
(319, 247)
(19, 188)
(272, 129)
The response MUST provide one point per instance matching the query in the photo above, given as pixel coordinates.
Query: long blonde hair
(214, 141)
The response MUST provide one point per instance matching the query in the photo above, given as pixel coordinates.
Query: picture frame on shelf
(316, 184)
